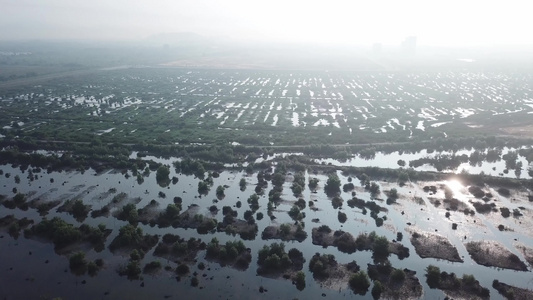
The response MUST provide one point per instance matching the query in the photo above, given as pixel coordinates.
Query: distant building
(409, 45)
(376, 48)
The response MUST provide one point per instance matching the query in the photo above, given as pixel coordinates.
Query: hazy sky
(443, 23)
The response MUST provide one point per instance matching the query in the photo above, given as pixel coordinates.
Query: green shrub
(77, 260)
(397, 275)
(342, 217)
(377, 289)
(381, 246)
(359, 282)
(433, 276)
(92, 268)
(469, 279)
(152, 266)
(182, 269)
(299, 280)
(324, 229)
(133, 270)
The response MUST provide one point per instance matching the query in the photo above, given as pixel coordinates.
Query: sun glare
(456, 186)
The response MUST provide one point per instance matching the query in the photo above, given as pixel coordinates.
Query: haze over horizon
(444, 24)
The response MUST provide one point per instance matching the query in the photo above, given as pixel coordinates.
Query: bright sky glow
(439, 23)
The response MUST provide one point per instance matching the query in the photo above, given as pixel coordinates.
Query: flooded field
(36, 270)
(249, 107)
(170, 183)
(277, 150)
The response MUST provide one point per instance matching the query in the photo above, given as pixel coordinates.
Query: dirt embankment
(434, 245)
(512, 292)
(527, 252)
(494, 254)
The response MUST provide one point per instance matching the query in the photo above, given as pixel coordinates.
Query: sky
(449, 23)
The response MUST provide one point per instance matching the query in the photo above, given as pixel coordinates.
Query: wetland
(168, 183)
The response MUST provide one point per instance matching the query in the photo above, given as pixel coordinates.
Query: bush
(272, 261)
(397, 275)
(296, 189)
(79, 210)
(220, 191)
(135, 255)
(317, 268)
(504, 192)
(59, 231)
(469, 279)
(476, 191)
(393, 194)
(433, 276)
(129, 235)
(345, 242)
(152, 266)
(248, 215)
(129, 213)
(348, 187)
(333, 184)
(399, 236)
(253, 201)
(336, 202)
(203, 187)
(162, 175)
(324, 229)
(172, 211)
(299, 280)
(77, 260)
(377, 289)
(295, 213)
(301, 203)
(194, 281)
(483, 207)
(285, 229)
(374, 189)
(133, 270)
(313, 183)
(182, 269)
(381, 246)
(505, 212)
(19, 199)
(359, 282)
(274, 257)
(99, 262)
(342, 217)
(92, 268)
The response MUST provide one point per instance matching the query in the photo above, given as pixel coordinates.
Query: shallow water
(51, 279)
(390, 161)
